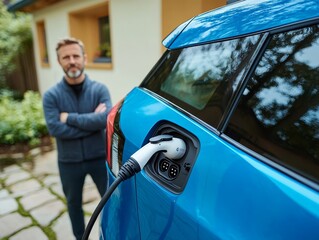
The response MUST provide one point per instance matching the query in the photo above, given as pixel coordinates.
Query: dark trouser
(72, 177)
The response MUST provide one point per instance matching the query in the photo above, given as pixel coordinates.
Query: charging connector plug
(173, 148)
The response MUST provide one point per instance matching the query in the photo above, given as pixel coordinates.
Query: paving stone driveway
(32, 204)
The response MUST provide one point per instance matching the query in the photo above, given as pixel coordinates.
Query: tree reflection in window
(278, 114)
(199, 71)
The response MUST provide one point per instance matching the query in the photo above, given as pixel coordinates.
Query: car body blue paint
(218, 202)
(241, 18)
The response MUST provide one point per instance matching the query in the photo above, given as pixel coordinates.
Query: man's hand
(101, 108)
(64, 117)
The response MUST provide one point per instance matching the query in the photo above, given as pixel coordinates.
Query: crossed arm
(74, 125)
(101, 108)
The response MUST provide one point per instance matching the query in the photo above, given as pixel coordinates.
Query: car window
(278, 114)
(202, 79)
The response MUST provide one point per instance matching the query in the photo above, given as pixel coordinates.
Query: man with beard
(75, 111)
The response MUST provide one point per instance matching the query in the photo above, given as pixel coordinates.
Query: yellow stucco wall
(178, 11)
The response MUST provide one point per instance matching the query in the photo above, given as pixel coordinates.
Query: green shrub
(15, 36)
(21, 121)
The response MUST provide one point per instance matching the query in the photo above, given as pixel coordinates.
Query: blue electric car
(240, 86)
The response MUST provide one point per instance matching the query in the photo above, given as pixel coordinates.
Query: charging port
(168, 169)
(173, 171)
(164, 165)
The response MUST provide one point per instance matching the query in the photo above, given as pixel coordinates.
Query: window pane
(42, 43)
(105, 40)
(278, 114)
(202, 79)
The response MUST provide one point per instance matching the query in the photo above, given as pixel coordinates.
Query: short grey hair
(68, 41)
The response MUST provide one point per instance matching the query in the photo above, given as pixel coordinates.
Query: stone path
(32, 204)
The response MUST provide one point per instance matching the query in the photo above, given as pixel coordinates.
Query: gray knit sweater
(82, 138)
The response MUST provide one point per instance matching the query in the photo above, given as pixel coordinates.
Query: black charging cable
(129, 169)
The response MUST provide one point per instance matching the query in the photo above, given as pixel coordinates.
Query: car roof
(240, 18)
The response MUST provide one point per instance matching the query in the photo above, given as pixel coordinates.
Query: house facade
(122, 37)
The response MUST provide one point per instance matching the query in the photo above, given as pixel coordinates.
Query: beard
(72, 74)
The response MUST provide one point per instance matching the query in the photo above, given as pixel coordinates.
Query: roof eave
(19, 5)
